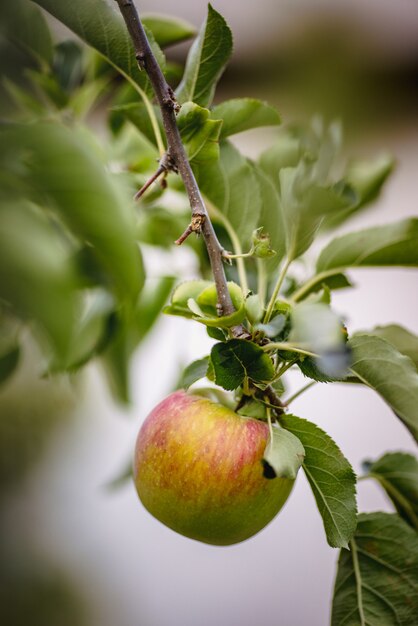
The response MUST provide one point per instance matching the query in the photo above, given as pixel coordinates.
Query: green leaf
(102, 27)
(397, 472)
(199, 133)
(238, 359)
(37, 276)
(151, 301)
(332, 282)
(67, 176)
(305, 204)
(231, 186)
(206, 61)
(283, 455)
(392, 244)
(331, 478)
(242, 114)
(377, 579)
(380, 366)
(26, 27)
(9, 361)
(271, 217)
(9, 348)
(168, 30)
(197, 299)
(367, 179)
(403, 340)
(137, 114)
(193, 372)
(316, 328)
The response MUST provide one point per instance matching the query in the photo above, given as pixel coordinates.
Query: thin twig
(149, 182)
(169, 107)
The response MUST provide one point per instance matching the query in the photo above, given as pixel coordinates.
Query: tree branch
(169, 107)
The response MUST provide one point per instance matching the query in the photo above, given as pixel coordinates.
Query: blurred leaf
(199, 133)
(271, 217)
(300, 165)
(123, 476)
(332, 282)
(397, 472)
(401, 338)
(273, 328)
(305, 204)
(316, 326)
(206, 60)
(285, 152)
(231, 186)
(283, 455)
(242, 114)
(64, 170)
(136, 112)
(367, 179)
(68, 64)
(92, 333)
(9, 349)
(331, 478)
(392, 244)
(25, 25)
(377, 579)
(168, 30)
(49, 87)
(36, 274)
(238, 359)
(380, 366)
(151, 301)
(193, 372)
(117, 355)
(99, 24)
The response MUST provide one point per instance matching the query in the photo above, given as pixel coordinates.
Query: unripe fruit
(198, 469)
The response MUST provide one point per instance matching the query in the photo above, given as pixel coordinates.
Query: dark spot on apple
(268, 471)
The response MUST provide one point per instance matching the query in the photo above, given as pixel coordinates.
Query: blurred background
(76, 551)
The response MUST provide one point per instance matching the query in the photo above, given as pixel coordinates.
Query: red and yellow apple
(198, 469)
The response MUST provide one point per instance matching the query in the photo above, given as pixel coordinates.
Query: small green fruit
(198, 469)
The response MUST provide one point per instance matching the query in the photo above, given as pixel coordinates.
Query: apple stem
(169, 107)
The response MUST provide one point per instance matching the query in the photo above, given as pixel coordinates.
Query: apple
(198, 469)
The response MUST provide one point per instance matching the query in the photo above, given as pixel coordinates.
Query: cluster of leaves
(76, 274)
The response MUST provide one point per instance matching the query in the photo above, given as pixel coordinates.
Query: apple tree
(73, 215)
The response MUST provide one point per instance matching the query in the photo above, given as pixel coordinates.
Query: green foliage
(168, 30)
(32, 254)
(231, 186)
(199, 132)
(194, 372)
(238, 360)
(331, 478)
(394, 244)
(206, 61)
(71, 270)
(72, 182)
(379, 365)
(284, 454)
(377, 578)
(397, 473)
(401, 338)
(107, 35)
(26, 27)
(197, 299)
(242, 114)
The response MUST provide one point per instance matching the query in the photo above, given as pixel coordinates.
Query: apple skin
(198, 470)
